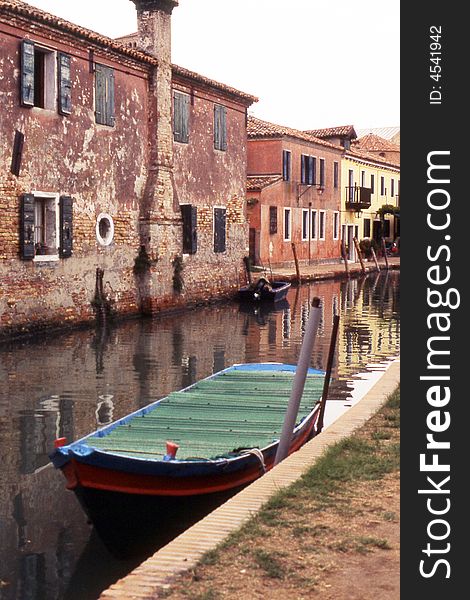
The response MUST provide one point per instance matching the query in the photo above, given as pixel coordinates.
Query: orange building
(293, 195)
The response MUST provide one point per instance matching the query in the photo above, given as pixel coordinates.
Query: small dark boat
(225, 430)
(263, 291)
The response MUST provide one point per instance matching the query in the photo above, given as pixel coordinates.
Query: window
(220, 127)
(189, 216)
(336, 225)
(287, 224)
(363, 179)
(286, 165)
(392, 187)
(313, 224)
(220, 218)
(335, 174)
(272, 219)
(104, 95)
(367, 228)
(322, 172)
(351, 186)
(38, 78)
(46, 226)
(104, 229)
(382, 186)
(305, 212)
(372, 184)
(180, 117)
(308, 167)
(386, 228)
(322, 225)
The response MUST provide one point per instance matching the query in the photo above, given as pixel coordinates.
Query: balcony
(358, 197)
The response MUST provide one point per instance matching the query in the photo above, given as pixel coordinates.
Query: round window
(104, 229)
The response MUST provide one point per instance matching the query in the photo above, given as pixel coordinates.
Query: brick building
(293, 195)
(112, 158)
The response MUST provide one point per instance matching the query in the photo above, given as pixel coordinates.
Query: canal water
(68, 384)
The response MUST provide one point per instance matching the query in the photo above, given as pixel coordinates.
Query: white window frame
(320, 236)
(336, 225)
(104, 241)
(287, 234)
(305, 224)
(313, 224)
(55, 198)
(50, 77)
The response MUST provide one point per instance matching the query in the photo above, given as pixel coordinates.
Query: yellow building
(370, 188)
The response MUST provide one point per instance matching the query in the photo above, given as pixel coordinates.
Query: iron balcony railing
(358, 197)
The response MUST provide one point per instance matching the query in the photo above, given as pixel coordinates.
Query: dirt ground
(345, 549)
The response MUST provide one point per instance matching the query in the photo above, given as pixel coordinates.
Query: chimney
(154, 27)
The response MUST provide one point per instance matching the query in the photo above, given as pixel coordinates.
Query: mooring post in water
(329, 367)
(358, 251)
(246, 260)
(296, 261)
(299, 381)
(344, 254)
(100, 301)
(374, 256)
(384, 250)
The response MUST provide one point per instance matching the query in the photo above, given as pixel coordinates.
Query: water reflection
(67, 385)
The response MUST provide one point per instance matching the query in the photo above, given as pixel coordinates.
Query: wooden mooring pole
(374, 256)
(344, 254)
(358, 250)
(384, 250)
(296, 261)
(329, 368)
(246, 260)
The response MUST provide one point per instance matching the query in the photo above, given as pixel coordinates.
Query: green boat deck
(236, 409)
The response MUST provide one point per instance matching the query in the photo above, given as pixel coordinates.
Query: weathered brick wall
(103, 168)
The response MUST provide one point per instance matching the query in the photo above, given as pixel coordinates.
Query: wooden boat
(263, 291)
(211, 438)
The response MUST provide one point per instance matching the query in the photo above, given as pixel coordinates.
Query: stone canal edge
(182, 553)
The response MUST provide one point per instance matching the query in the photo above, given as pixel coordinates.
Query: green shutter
(27, 73)
(189, 215)
(27, 227)
(66, 226)
(180, 117)
(104, 95)
(220, 127)
(219, 229)
(65, 84)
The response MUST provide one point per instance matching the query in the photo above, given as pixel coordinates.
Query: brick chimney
(154, 23)
(160, 218)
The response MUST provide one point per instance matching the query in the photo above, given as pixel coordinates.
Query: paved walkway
(185, 551)
(328, 271)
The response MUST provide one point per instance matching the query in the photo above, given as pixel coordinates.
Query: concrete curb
(187, 549)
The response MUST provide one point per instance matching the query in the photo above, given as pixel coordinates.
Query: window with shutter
(286, 155)
(220, 127)
(27, 227)
(335, 174)
(189, 215)
(38, 76)
(220, 216)
(66, 231)
(322, 172)
(180, 117)
(104, 95)
(65, 84)
(272, 219)
(43, 228)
